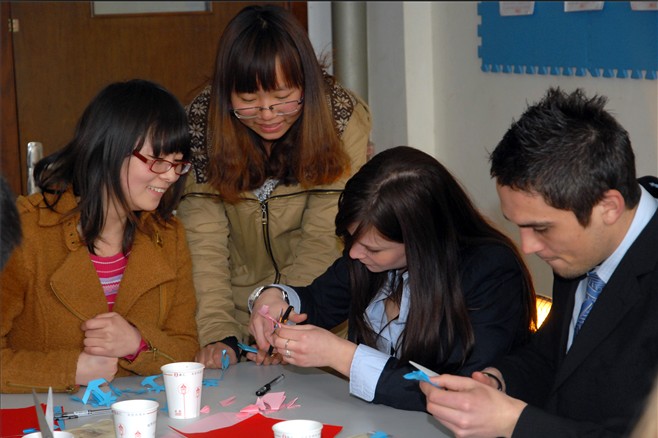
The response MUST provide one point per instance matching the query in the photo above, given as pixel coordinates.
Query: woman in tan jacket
(101, 285)
(273, 141)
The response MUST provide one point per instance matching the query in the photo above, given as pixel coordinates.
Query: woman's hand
(91, 367)
(109, 334)
(262, 324)
(262, 358)
(211, 355)
(312, 346)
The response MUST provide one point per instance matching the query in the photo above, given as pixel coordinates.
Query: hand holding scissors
(283, 319)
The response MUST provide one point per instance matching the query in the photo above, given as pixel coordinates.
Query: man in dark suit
(565, 175)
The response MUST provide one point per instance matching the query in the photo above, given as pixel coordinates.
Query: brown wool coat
(49, 287)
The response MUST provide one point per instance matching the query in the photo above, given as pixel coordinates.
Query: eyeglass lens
(280, 109)
(162, 166)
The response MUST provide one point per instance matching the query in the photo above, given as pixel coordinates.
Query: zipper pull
(263, 208)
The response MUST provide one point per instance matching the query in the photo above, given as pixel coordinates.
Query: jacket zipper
(80, 317)
(71, 389)
(157, 352)
(267, 241)
(265, 217)
(266, 228)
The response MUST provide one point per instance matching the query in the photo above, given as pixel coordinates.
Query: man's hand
(470, 408)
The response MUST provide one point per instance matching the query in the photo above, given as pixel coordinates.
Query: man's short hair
(570, 150)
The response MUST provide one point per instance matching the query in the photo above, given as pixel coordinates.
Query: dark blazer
(493, 286)
(598, 388)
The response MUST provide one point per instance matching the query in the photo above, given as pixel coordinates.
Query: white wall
(319, 28)
(425, 55)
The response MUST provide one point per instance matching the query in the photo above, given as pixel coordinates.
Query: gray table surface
(322, 396)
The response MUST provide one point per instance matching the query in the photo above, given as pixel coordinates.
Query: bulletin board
(613, 42)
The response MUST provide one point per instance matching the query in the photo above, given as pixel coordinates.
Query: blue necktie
(594, 287)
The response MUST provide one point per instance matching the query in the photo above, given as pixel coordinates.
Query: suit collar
(620, 294)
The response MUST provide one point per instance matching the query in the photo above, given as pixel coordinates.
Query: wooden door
(63, 55)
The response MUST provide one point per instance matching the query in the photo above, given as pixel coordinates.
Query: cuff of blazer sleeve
(232, 342)
(529, 422)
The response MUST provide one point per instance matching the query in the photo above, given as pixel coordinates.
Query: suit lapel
(620, 294)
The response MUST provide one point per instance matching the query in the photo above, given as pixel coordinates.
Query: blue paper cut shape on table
(114, 389)
(96, 396)
(419, 375)
(378, 434)
(226, 361)
(247, 348)
(210, 382)
(151, 385)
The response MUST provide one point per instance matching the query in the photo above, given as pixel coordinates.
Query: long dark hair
(310, 153)
(409, 197)
(119, 120)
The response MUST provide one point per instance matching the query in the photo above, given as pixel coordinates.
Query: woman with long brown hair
(274, 139)
(425, 278)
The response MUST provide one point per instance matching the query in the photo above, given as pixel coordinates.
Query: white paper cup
(135, 418)
(297, 429)
(56, 434)
(183, 381)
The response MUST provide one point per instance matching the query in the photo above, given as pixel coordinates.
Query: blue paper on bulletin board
(614, 42)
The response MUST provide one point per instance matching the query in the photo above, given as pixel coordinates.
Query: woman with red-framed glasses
(101, 285)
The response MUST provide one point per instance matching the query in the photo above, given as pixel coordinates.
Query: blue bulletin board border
(613, 42)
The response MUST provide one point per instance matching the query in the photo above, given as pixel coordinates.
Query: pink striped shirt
(110, 271)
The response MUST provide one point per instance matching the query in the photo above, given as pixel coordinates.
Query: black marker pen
(266, 387)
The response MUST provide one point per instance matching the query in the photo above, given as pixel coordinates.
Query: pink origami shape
(228, 401)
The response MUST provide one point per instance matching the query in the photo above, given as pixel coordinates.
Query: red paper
(256, 425)
(14, 421)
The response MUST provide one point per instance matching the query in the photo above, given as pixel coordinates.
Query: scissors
(45, 424)
(283, 318)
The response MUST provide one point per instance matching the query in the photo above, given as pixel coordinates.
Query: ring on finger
(288, 354)
(286, 344)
